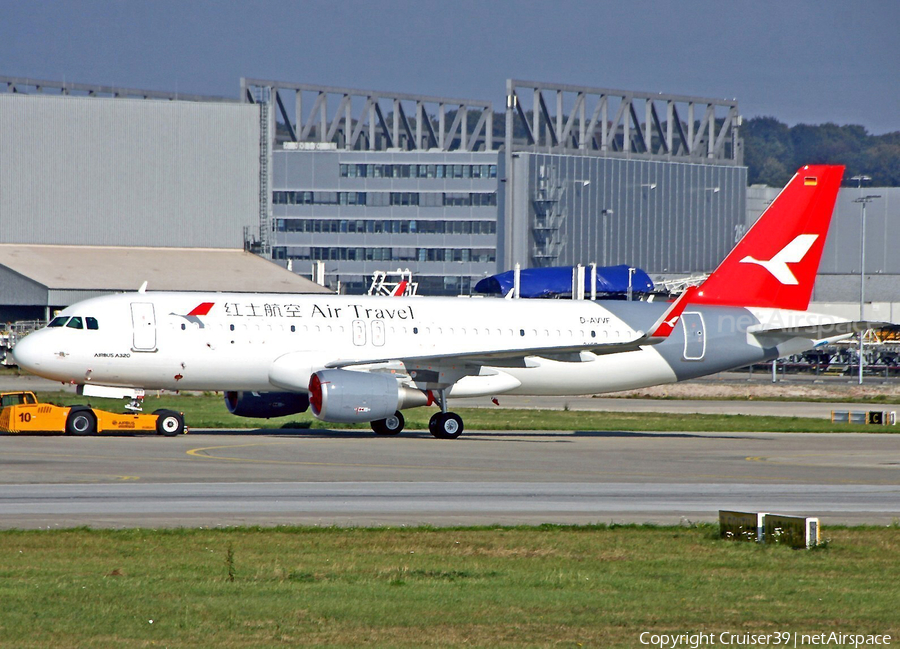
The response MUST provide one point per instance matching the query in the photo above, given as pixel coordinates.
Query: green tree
(768, 151)
(773, 151)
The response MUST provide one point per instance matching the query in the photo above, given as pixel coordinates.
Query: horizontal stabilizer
(821, 331)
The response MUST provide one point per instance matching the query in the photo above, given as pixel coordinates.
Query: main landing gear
(390, 426)
(446, 425)
(443, 424)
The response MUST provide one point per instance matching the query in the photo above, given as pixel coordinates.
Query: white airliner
(364, 359)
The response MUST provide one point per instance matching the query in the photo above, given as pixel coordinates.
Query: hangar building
(104, 188)
(125, 170)
(367, 181)
(364, 180)
(620, 177)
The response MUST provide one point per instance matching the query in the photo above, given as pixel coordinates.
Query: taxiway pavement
(484, 477)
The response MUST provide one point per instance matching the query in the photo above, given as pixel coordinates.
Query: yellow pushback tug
(22, 413)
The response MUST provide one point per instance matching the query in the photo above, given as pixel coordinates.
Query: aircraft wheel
(445, 425)
(81, 422)
(390, 426)
(169, 423)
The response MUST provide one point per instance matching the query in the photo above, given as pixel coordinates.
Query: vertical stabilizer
(775, 263)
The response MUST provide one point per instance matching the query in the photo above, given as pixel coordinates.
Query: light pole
(863, 200)
(860, 179)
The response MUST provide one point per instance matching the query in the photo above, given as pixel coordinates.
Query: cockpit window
(59, 321)
(92, 323)
(75, 323)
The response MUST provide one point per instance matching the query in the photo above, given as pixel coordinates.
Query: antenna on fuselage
(143, 288)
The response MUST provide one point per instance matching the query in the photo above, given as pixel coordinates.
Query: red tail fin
(776, 262)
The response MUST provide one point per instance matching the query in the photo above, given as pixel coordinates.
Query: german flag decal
(810, 181)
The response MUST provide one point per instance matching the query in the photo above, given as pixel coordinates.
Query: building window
(348, 170)
(378, 226)
(404, 198)
(337, 253)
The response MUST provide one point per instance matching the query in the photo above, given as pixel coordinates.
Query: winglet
(663, 327)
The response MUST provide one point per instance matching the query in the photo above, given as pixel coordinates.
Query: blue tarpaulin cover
(557, 280)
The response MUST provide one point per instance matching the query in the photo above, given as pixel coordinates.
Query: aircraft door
(143, 318)
(377, 333)
(694, 336)
(359, 332)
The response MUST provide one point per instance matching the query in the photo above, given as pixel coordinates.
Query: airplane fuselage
(271, 342)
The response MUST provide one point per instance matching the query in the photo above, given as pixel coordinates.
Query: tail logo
(792, 253)
(194, 316)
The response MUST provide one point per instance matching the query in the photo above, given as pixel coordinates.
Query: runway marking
(196, 452)
(134, 458)
(788, 462)
(199, 453)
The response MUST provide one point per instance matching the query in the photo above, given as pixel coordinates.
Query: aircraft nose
(27, 353)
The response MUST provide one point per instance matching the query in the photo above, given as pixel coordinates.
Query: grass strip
(547, 586)
(208, 411)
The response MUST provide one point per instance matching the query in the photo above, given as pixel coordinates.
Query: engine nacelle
(347, 397)
(265, 404)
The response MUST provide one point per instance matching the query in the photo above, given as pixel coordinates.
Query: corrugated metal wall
(665, 217)
(79, 170)
(15, 289)
(842, 252)
(838, 279)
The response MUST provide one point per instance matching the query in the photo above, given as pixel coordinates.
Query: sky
(798, 61)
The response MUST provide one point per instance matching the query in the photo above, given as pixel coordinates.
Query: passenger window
(75, 323)
(92, 324)
(58, 321)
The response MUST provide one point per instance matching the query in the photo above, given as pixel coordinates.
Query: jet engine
(265, 404)
(347, 397)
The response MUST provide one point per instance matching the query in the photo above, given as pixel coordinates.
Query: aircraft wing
(487, 357)
(659, 331)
